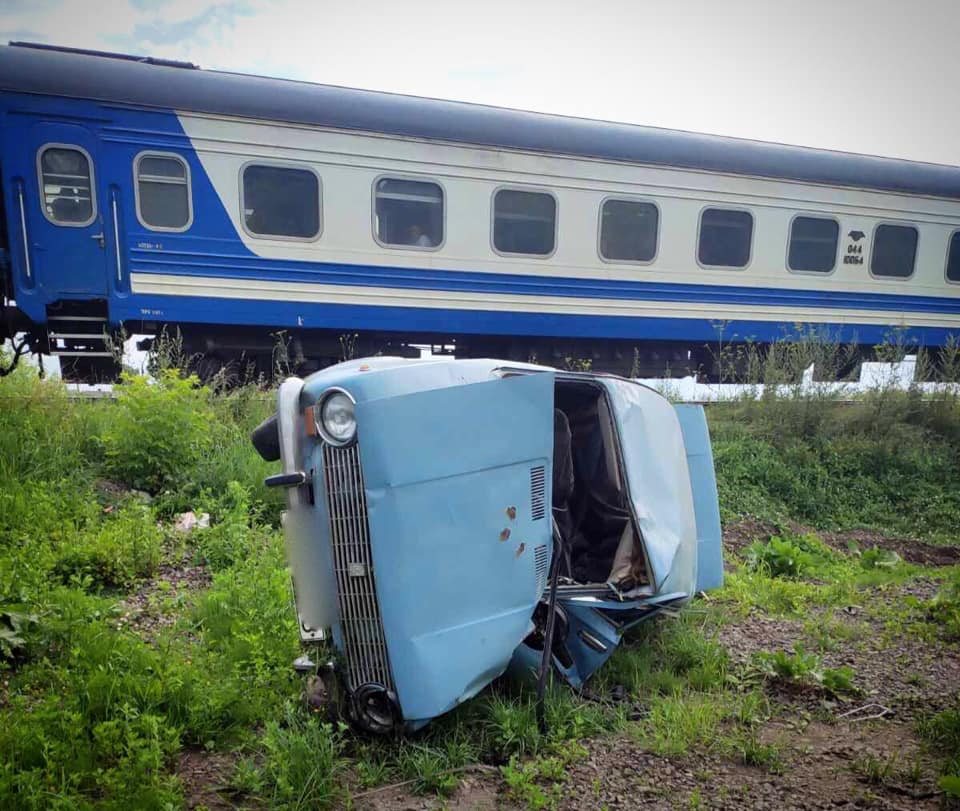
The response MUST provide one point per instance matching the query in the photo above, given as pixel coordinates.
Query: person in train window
(416, 236)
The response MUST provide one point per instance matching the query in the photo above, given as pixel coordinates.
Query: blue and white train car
(146, 194)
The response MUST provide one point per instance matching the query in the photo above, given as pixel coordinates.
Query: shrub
(159, 431)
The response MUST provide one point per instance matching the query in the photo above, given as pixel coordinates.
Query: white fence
(873, 376)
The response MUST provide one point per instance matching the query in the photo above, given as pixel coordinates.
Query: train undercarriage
(78, 334)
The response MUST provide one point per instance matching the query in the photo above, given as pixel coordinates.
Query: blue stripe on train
(246, 267)
(447, 322)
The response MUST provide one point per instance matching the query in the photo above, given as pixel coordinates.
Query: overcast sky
(878, 77)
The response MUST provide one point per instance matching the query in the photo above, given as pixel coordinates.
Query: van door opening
(591, 504)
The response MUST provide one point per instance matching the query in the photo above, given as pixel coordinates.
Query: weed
(942, 732)
(875, 770)
(762, 755)
(372, 769)
(249, 635)
(683, 722)
(123, 548)
(168, 354)
(839, 680)
(798, 667)
(829, 633)
(944, 609)
(429, 769)
(14, 623)
(793, 557)
(525, 782)
(803, 669)
(916, 680)
(99, 719)
(513, 727)
(877, 558)
(913, 774)
(247, 777)
(230, 538)
(301, 761)
(889, 461)
(950, 785)
(750, 590)
(665, 657)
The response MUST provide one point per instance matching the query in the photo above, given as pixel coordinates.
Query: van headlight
(338, 422)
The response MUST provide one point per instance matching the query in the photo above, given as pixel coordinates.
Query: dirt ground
(827, 746)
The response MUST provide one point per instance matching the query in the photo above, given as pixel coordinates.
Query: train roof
(157, 83)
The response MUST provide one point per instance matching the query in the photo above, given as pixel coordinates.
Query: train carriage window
(66, 183)
(280, 201)
(894, 251)
(725, 237)
(813, 244)
(524, 222)
(953, 258)
(163, 192)
(408, 213)
(628, 231)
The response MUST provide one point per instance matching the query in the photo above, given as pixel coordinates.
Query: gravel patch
(820, 773)
(143, 611)
(203, 775)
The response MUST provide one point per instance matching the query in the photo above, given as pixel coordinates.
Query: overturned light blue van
(446, 517)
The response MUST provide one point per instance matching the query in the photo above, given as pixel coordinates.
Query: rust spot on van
(521, 548)
(504, 534)
(512, 513)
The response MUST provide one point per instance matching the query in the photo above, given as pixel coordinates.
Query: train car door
(65, 218)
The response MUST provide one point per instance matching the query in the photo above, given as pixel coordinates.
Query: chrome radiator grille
(361, 626)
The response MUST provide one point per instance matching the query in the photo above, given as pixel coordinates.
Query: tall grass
(888, 460)
(94, 715)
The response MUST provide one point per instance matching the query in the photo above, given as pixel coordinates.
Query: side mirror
(266, 439)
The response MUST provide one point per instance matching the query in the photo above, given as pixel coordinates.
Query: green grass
(93, 715)
(96, 716)
(890, 461)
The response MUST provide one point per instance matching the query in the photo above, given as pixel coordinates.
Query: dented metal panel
(449, 471)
